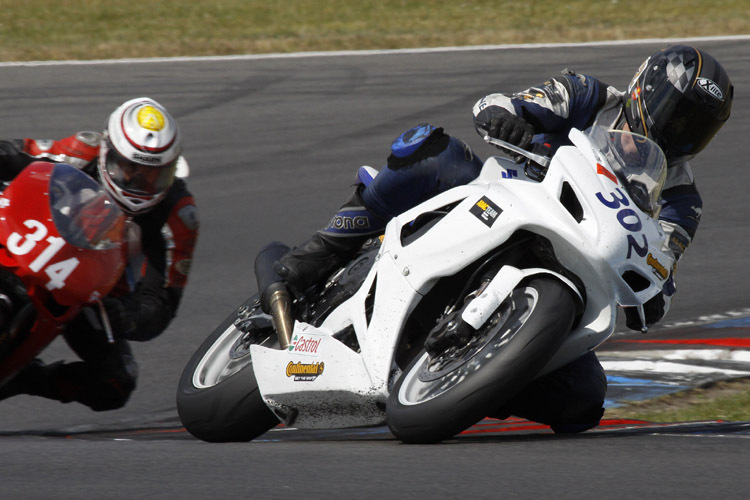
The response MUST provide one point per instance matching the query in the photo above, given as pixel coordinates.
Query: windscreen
(638, 162)
(83, 213)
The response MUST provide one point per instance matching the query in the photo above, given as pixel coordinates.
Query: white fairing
(319, 382)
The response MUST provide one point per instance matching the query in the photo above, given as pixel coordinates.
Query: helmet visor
(138, 179)
(681, 126)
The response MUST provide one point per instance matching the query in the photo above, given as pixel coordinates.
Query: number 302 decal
(21, 245)
(628, 219)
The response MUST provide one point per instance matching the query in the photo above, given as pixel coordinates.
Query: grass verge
(100, 29)
(722, 400)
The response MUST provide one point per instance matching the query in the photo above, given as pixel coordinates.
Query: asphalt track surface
(273, 144)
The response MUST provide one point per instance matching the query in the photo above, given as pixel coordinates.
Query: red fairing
(74, 274)
(78, 149)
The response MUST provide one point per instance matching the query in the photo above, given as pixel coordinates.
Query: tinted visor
(138, 179)
(681, 126)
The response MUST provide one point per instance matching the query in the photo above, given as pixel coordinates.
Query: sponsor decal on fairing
(606, 173)
(306, 344)
(657, 267)
(486, 211)
(304, 372)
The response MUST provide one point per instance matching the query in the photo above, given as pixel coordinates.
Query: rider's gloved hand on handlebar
(501, 124)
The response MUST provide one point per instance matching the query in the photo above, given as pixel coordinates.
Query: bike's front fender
(501, 286)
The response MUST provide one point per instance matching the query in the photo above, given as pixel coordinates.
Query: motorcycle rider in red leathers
(680, 97)
(136, 160)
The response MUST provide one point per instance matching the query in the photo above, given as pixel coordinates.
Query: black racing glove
(501, 124)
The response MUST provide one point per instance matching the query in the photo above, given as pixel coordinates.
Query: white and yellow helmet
(138, 157)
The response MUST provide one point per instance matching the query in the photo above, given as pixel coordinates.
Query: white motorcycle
(468, 297)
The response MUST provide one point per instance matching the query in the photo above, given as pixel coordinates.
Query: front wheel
(218, 398)
(442, 394)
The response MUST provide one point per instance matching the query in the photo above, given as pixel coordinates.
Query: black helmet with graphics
(138, 157)
(680, 97)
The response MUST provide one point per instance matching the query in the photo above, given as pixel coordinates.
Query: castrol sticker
(306, 344)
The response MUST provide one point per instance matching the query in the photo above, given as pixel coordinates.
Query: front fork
(105, 321)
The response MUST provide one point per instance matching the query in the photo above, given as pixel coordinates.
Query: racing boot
(34, 380)
(329, 248)
(102, 385)
(310, 262)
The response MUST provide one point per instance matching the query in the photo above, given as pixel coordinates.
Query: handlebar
(538, 159)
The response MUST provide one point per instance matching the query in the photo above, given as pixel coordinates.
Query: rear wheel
(218, 398)
(442, 393)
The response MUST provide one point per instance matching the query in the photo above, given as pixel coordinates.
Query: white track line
(727, 354)
(645, 366)
(359, 53)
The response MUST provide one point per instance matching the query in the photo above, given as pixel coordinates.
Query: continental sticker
(486, 211)
(304, 372)
(657, 267)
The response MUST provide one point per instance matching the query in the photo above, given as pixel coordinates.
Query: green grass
(725, 400)
(95, 29)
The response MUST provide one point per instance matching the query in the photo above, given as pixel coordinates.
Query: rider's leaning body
(679, 97)
(135, 160)
(581, 101)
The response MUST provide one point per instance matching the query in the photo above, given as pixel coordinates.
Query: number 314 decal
(22, 244)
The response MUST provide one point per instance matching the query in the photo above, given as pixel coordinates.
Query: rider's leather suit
(140, 307)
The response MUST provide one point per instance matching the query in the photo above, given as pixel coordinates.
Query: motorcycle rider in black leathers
(679, 97)
(136, 159)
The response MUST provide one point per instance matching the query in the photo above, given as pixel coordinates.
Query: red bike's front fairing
(63, 236)
(62, 232)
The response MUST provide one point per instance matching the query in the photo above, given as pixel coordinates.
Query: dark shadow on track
(486, 431)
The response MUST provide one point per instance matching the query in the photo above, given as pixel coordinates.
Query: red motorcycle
(62, 247)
